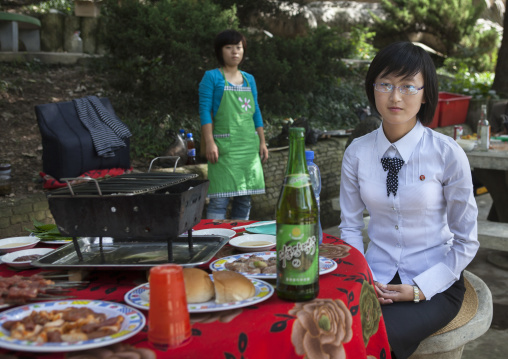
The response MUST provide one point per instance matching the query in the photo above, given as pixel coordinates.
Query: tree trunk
(501, 80)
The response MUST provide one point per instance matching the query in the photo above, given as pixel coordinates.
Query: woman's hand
(263, 152)
(212, 152)
(389, 293)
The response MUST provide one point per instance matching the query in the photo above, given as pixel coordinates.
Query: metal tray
(130, 254)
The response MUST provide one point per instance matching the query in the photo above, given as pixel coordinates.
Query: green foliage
(462, 81)
(249, 11)
(362, 43)
(43, 7)
(159, 52)
(337, 107)
(478, 51)
(447, 21)
(291, 73)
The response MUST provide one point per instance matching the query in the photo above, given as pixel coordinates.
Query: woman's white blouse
(428, 231)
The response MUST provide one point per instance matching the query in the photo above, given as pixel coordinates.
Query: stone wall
(57, 30)
(17, 214)
(327, 155)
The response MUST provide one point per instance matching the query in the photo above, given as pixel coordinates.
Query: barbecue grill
(114, 219)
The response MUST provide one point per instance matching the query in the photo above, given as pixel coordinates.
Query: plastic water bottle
(76, 43)
(182, 134)
(315, 178)
(191, 150)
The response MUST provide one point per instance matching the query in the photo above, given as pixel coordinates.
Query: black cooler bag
(67, 147)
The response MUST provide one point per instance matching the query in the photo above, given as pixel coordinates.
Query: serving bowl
(467, 145)
(10, 258)
(13, 244)
(253, 242)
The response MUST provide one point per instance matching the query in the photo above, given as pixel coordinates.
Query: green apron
(238, 171)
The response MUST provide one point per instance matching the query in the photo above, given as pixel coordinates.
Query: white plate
(10, 257)
(213, 232)
(270, 228)
(55, 241)
(239, 242)
(133, 322)
(21, 243)
(325, 265)
(64, 241)
(139, 297)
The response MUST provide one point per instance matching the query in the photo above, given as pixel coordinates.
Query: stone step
(493, 235)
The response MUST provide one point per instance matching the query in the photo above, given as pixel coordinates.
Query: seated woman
(416, 184)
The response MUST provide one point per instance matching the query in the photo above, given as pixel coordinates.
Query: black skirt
(408, 323)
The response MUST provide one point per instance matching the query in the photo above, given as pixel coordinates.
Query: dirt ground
(22, 87)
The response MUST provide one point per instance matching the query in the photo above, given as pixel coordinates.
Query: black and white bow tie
(393, 166)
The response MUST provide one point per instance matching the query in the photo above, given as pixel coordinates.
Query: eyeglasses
(404, 89)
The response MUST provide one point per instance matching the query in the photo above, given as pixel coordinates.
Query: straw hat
(467, 310)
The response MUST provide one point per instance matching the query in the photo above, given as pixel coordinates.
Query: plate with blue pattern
(139, 297)
(326, 265)
(270, 229)
(133, 322)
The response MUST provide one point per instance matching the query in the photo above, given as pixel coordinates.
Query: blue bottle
(315, 178)
(182, 134)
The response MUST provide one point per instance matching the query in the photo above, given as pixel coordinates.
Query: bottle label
(297, 254)
(298, 180)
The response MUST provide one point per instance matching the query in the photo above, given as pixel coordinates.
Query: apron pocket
(223, 143)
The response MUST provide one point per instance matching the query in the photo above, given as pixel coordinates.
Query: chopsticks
(265, 223)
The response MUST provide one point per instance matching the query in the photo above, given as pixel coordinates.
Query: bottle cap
(309, 155)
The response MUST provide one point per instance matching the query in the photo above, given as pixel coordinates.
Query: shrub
(298, 77)
(463, 81)
(478, 51)
(159, 51)
(43, 7)
(447, 21)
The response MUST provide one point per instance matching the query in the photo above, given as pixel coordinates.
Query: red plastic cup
(168, 317)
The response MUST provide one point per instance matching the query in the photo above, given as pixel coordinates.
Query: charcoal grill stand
(77, 249)
(121, 187)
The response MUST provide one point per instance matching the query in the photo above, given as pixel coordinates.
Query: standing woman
(416, 185)
(232, 129)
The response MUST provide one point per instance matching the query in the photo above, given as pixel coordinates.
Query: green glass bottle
(297, 227)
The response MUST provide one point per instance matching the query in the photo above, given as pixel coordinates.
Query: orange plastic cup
(168, 317)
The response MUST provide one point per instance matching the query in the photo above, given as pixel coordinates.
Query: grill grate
(125, 185)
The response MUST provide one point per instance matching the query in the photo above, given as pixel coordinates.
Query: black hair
(228, 37)
(406, 59)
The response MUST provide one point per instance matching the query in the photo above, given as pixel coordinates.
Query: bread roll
(231, 287)
(198, 285)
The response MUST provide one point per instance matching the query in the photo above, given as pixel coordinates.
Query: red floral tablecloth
(345, 320)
